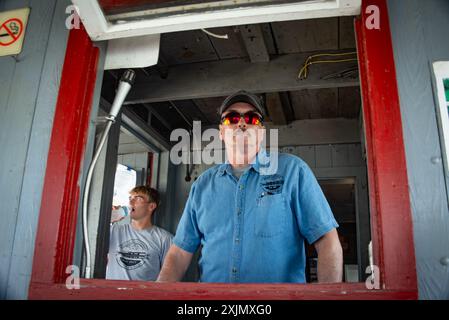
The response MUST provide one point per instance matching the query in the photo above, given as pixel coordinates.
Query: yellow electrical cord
(304, 72)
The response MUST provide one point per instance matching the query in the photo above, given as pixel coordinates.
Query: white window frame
(441, 72)
(99, 28)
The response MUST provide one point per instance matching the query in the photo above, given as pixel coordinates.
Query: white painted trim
(92, 17)
(135, 52)
(96, 23)
(441, 72)
(349, 4)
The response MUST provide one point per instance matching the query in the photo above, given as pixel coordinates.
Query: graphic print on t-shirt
(132, 254)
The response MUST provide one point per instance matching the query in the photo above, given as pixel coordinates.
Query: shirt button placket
(236, 253)
(234, 274)
(237, 242)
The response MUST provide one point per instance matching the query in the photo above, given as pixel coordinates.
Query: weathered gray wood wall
(29, 85)
(420, 36)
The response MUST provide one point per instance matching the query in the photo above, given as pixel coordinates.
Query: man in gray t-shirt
(137, 250)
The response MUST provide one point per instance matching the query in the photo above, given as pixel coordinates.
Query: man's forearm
(175, 265)
(330, 264)
(330, 258)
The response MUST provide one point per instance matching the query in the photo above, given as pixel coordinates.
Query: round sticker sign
(10, 31)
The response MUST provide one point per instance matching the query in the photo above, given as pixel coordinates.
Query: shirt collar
(226, 167)
(262, 154)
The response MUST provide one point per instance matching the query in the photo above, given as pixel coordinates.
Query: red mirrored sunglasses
(234, 117)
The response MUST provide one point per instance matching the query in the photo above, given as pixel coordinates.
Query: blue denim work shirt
(253, 229)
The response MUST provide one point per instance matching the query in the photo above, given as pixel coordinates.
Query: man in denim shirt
(250, 222)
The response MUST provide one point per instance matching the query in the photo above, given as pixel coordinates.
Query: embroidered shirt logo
(272, 184)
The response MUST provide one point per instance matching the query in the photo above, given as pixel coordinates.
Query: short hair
(153, 194)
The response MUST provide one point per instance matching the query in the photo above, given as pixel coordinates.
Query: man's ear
(153, 206)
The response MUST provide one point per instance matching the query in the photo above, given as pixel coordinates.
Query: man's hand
(330, 258)
(175, 265)
(115, 215)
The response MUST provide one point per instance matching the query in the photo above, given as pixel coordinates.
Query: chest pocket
(270, 215)
(271, 209)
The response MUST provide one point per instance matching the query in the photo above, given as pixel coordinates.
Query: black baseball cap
(243, 96)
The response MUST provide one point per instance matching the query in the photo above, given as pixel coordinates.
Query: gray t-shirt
(136, 254)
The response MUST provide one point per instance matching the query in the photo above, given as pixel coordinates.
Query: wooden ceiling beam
(253, 39)
(221, 78)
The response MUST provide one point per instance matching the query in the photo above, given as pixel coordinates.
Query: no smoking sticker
(12, 31)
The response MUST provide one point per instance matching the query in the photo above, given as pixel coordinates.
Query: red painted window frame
(392, 230)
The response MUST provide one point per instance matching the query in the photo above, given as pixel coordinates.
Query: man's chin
(244, 158)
